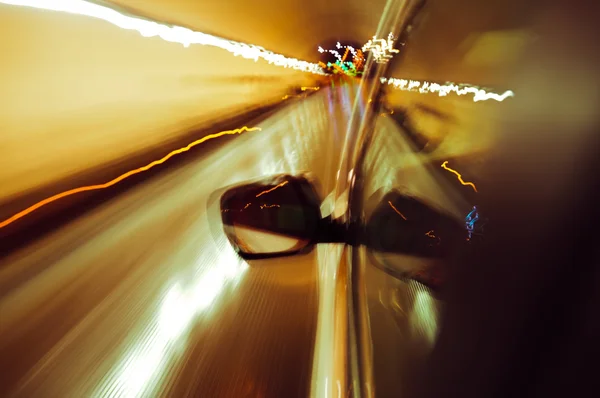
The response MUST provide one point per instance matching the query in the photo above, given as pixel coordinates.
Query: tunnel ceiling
(294, 28)
(468, 41)
(455, 40)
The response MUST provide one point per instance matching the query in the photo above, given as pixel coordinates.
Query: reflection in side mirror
(275, 217)
(404, 225)
(411, 239)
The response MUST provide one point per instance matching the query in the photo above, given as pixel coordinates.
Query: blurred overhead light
(442, 90)
(381, 49)
(175, 34)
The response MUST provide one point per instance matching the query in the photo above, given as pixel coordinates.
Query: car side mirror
(275, 217)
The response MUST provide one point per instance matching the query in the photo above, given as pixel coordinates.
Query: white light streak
(381, 49)
(443, 90)
(174, 34)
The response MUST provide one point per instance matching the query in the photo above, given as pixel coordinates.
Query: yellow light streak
(459, 176)
(396, 210)
(170, 33)
(272, 189)
(120, 178)
(479, 94)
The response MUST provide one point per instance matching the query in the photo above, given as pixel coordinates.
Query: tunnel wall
(79, 92)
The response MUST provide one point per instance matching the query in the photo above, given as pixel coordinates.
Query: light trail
(459, 176)
(268, 206)
(381, 49)
(272, 189)
(122, 177)
(170, 33)
(479, 94)
(396, 210)
(431, 234)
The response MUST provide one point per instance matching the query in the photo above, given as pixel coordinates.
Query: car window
(419, 203)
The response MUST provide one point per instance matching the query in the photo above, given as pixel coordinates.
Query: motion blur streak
(143, 365)
(174, 34)
(479, 94)
(272, 189)
(120, 178)
(458, 175)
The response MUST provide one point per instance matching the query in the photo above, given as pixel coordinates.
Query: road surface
(140, 295)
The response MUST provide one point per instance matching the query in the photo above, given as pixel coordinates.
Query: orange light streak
(338, 68)
(272, 189)
(459, 176)
(396, 210)
(120, 178)
(345, 54)
(361, 59)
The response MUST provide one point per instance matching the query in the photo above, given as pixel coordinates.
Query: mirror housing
(274, 217)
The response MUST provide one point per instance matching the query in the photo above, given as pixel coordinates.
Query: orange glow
(272, 189)
(459, 176)
(120, 178)
(310, 88)
(396, 210)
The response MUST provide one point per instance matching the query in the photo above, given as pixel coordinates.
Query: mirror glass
(407, 236)
(276, 216)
